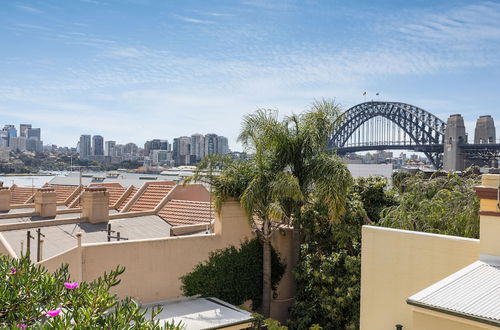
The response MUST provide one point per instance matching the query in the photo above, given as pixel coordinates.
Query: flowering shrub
(31, 297)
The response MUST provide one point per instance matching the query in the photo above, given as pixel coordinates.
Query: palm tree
(261, 189)
(290, 169)
(296, 146)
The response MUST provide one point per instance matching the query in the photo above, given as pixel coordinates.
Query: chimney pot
(95, 204)
(5, 198)
(46, 202)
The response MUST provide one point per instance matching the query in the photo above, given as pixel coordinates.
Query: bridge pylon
(455, 137)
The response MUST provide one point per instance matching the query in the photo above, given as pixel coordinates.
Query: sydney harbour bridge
(378, 125)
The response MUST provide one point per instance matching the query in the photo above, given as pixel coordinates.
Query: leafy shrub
(442, 205)
(31, 297)
(233, 274)
(328, 274)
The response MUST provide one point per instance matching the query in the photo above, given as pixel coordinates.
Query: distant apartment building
(4, 154)
(98, 147)
(197, 146)
(85, 147)
(222, 145)
(210, 144)
(4, 138)
(182, 150)
(155, 144)
(109, 148)
(161, 157)
(11, 132)
(34, 145)
(17, 143)
(34, 133)
(23, 129)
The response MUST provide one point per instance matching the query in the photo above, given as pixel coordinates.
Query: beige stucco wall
(154, 267)
(72, 257)
(191, 192)
(5, 248)
(397, 264)
(424, 319)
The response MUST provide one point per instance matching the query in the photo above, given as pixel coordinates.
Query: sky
(134, 70)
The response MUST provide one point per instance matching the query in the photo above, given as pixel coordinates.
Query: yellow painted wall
(154, 266)
(5, 248)
(397, 264)
(429, 320)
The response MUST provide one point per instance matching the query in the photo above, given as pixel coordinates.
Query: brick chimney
(45, 202)
(489, 212)
(95, 204)
(5, 196)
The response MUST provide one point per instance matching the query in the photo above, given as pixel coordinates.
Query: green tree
(328, 273)
(443, 205)
(34, 298)
(289, 172)
(375, 195)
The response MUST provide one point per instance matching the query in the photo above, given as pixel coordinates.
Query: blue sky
(133, 70)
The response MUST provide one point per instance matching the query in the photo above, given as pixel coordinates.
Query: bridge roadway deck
(468, 148)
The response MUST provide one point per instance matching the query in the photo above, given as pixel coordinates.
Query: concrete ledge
(120, 215)
(40, 223)
(19, 215)
(22, 206)
(187, 229)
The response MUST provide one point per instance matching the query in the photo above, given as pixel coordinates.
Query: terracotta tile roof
(180, 212)
(152, 196)
(115, 191)
(107, 184)
(129, 197)
(20, 195)
(62, 192)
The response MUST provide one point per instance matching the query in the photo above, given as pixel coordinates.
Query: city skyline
(203, 66)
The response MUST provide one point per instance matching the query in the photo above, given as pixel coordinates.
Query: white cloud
(192, 20)
(29, 9)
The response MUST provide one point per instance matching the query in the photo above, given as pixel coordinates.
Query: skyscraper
(197, 146)
(11, 132)
(85, 146)
(222, 145)
(109, 148)
(23, 129)
(34, 133)
(97, 145)
(210, 144)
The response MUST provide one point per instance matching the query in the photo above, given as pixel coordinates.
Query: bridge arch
(423, 128)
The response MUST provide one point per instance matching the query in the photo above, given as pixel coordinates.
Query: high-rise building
(34, 133)
(130, 148)
(164, 145)
(222, 145)
(109, 148)
(17, 143)
(210, 144)
(4, 138)
(97, 145)
(181, 150)
(23, 129)
(85, 147)
(198, 146)
(11, 132)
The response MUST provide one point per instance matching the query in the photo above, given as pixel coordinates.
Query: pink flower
(71, 285)
(21, 326)
(13, 271)
(53, 312)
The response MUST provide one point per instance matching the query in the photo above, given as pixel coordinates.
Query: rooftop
(59, 238)
(473, 292)
(203, 313)
(182, 212)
